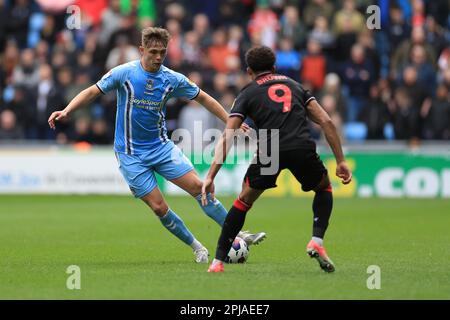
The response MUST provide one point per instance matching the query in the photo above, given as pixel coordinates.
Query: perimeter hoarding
(379, 174)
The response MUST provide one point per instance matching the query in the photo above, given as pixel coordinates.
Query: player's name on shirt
(270, 77)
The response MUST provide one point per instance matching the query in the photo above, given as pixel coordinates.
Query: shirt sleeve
(185, 88)
(306, 96)
(112, 80)
(240, 107)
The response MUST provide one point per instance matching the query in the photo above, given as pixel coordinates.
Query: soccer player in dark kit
(280, 105)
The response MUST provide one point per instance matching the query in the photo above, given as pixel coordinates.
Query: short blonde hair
(154, 34)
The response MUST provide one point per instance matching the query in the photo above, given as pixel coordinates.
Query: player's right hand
(208, 186)
(56, 116)
(344, 172)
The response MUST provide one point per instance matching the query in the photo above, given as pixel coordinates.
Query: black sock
(233, 224)
(322, 206)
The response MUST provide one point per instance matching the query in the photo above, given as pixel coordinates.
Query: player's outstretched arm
(84, 97)
(220, 154)
(317, 114)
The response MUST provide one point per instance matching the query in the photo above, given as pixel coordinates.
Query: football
(238, 252)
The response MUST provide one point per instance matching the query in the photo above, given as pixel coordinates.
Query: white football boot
(252, 238)
(201, 255)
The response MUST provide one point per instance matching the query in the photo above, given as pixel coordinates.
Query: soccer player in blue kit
(141, 144)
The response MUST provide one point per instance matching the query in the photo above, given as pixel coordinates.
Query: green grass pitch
(124, 252)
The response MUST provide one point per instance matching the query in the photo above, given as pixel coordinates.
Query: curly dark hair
(260, 58)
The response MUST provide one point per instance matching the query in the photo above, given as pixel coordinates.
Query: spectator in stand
(332, 86)
(219, 51)
(220, 84)
(235, 39)
(100, 132)
(357, 74)
(419, 95)
(9, 130)
(375, 114)
(145, 11)
(437, 117)
(27, 72)
(405, 117)
(202, 29)
(111, 21)
(434, 35)
(426, 75)
(418, 14)
(287, 59)
(401, 55)
(59, 59)
(191, 49)
(313, 65)
(366, 39)
(11, 58)
(174, 51)
(322, 34)
(329, 104)
(344, 42)
(22, 104)
(264, 23)
(122, 53)
(291, 27)
(227, 13)
(85, 65)
(420, 99)
(48, 32)
(42, 52)
(176, 11)
(348, 18)
(82, 130)
(399, 29)
(18, 22)
(48, 99)
(316, 8)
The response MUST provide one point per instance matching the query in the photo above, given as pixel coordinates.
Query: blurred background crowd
(388, 83)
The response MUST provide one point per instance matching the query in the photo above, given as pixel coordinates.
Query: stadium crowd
(387, 83)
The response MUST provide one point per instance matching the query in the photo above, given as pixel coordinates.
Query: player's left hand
(245, 127)
(344, 172)
(208, 186)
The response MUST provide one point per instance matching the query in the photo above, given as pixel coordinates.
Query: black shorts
(305, 165)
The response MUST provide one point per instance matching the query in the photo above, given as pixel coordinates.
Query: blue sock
(214, 209)
(176, 226)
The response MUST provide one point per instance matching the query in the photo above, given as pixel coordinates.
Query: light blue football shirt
(141, 104)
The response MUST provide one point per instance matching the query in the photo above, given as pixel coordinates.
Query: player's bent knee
(241, 204)
(196, 188)
(248, 200)
(324, 184)
(158, 207)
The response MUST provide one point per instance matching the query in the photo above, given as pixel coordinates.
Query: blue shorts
(139, 169)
